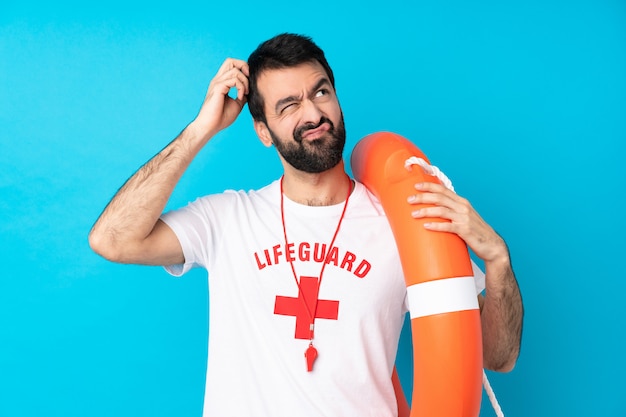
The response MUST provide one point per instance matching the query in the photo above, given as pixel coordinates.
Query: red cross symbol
(309, 291)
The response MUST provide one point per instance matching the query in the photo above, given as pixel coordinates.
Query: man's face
(304, 119)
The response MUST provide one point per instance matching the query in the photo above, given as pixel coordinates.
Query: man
(306, 292)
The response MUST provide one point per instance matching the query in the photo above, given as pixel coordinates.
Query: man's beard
(317, 155)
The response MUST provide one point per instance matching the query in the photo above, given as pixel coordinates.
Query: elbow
(104, 246)
(502, 368)
(503, 364)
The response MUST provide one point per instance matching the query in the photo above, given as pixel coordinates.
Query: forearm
(502, 316)
(132, 214)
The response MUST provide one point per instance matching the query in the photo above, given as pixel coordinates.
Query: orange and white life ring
(445, 317)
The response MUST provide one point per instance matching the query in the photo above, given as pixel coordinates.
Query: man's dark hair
(282, 51)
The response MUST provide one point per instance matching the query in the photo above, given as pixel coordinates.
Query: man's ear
(263, 132)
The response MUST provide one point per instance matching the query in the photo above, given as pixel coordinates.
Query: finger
(461, 229)
(230, 63)
(229, 74)
(244, 68)
(440, 227)
(433, 187)
(241, 65)
(233, 78)
(225, 67)
(436, 198)
(241, 84)
(439, 195)
(436, 212)
(241, 102)
(469, 226)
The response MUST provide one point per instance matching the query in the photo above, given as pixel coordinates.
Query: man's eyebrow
(280, 103)
(322, 81)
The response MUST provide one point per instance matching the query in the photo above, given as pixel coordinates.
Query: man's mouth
(311, 132)
(316, 133)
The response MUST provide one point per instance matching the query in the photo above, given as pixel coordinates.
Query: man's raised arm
(129, 229)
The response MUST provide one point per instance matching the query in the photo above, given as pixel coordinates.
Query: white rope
(492, 396)
(429, 169)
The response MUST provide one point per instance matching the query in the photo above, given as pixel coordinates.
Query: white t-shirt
(258, 325)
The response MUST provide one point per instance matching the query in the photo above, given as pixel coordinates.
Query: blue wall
(522, 104)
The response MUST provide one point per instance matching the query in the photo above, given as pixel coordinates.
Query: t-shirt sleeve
(479, 278)
(191, 225)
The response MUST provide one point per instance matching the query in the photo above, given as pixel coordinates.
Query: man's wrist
(196, 136)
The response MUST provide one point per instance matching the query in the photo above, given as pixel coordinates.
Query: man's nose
(311, 113)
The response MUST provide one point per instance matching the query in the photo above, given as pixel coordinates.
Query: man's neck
(323, 189)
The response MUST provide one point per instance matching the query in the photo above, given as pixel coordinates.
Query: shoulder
(366, 203)
(232, 198)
